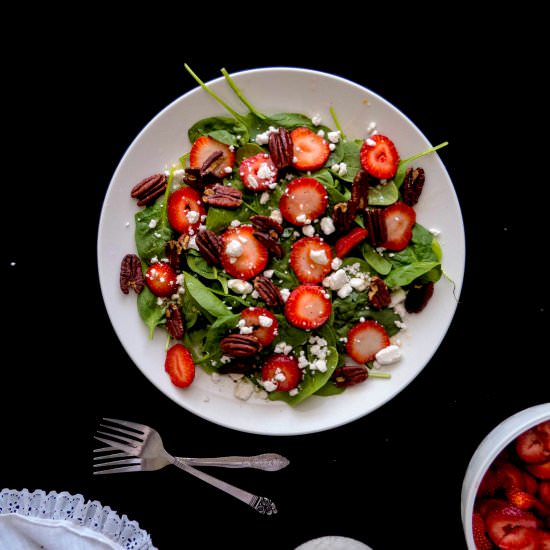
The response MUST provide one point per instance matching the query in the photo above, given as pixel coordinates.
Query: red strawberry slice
(365, 340)
(531, 484)
(258, 173)
(526, 501)
(308, 307)
(503, 520)
(180, 366)
(478, 531)
(530, 446)
(310, 258)
(281, 372)
(543, 539)
(160, 278)
(243, 256)
(264, 323)
(399, 220)
(379, 157)
(204, 148)
(519, 538)
(303, 201)
(544, 431)
(540, 470)
(310, 150)
(185, 210)
(544, 492)
(508, 477)
(345, 244)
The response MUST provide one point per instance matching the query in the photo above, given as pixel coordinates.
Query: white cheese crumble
(265, 172)
(388, 355)
(327, 225)
(336, 263)
(276, 215)
(359, 283)
(268, 273)
(234, 248)
(370, 142)
(264, 197)
(336, 280)
(243, 389)
(239, 286)
(334, 137)
(341, 168)
(285, 293)
(308, 230)
(263, 138)
(283, 347)
(235, 223)
(192, 216)
(193, 243)
(345, 291)
(371, 127)
(319, 256)
(434, 231)
(293, 392)
(269, 385)
(153, 224)
(302, 218)
(316, 119)
(331, 146)
(228, 169)
(265, 321)
(321, 133)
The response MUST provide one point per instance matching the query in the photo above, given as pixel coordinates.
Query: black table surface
(392, 478)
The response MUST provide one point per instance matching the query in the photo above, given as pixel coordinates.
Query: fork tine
(110, 455)
(137, 436)
(119, 470)
(133, 442)
(128, 461)
(131, 450)
(127, 423)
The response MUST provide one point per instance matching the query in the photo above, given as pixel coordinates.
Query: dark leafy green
(224, 129)
(206, 300)
(151, 313)
(151, 241)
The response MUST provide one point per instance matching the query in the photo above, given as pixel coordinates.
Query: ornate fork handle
(261, 504)
(269, 462)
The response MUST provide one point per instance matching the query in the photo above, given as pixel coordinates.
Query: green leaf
(288, 333)
(219, 219)
(380, 264)
(329, 389)
(224, 129)
(407, 273)
(204, 297)
(350, 157)
(247, 150)
(216, 331)
(152, 231)
(291, 121)
(311, 383)
(383, 194)
(200, 266)
(150, 312)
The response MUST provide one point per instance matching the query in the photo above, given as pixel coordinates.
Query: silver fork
(144, 451)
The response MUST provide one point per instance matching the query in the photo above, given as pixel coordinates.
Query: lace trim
(74, 508)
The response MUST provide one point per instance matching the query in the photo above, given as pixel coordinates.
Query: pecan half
(211, 163)
(148, 189)
(268, 292)
(271, 244)
(173, 252)
(222, 196)
(210, 246)
(131, 275)
(343, 215)
(413, 185)
(349, 375)
(360, 189)
(379, 294)
(174, 321)
(376, 225)
(418, 296)
(281, 150)
(267, 224)
(240, 345)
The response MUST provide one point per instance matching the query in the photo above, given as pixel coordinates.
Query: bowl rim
(488, 449)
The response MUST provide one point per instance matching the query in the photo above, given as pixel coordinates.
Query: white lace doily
(90, 516)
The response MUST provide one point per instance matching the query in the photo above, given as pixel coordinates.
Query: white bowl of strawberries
(506, 489)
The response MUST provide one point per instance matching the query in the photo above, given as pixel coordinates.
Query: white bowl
(486, 453)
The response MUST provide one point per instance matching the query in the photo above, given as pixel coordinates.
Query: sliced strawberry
(379, 157)
(310, 150)
(365, 340)
(540, 470)
(519, 538)
(303, 201)
(544, 431)
(489, 484)
(522, 499)
(203, 150)
(281, 372)
(509, 476)
(308, 306)
(310, 258)
(258, 173)
(180, 366)
(345, 244)
(479, 534)
(161, 279)
(531, 484)
(243, 256)
(486, 505)
(543, 539)
(185, 210)
(503, 520)
(399, 220)
(263, 322)
(544, 492)
(530, 446)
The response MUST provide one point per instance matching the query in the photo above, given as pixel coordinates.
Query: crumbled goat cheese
(265, 172)
(283, 347)
(327, 225)
(371, 127)
(265, 321)
(336, 263)
(264, 197)
(435, 232)
(359, 283)
(397, 296)
(285, 293)
(268, 273)
(234, 248)
(341, 168)
(243, 389)
(370, 142)
(321, 133)
(192, 216)
(193, 243)
(224, 359)
(331, 146)
(316, 119)
(263, 138)
(153, 224)
(228, 169)
(239, 286)
(319, 257)
(336, 280)
(293, 392)
(345, 291)
(302, 218)
(276, 215)
(235, 223)
(388, 355)
(334, 137)
(308, 230)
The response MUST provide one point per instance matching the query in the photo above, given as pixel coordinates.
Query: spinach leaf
(380, 264)
(407, 273)
(247, 150)
(194, 341)
(150, 312)
(191, 310)
(383, 194)
(336, 192)
(288, 333)
(206, 300)
(291, 121)
(219, 219)
(217, 330)
(329, 389)
(350, 156)
(311, 383)
(152, 231)
(222, 128)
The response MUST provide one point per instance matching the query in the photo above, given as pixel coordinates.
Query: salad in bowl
(282, 252)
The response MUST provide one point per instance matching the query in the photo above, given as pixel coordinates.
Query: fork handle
(263, 505)
(269, 462)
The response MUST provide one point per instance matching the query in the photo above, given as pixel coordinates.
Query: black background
(392, 479)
